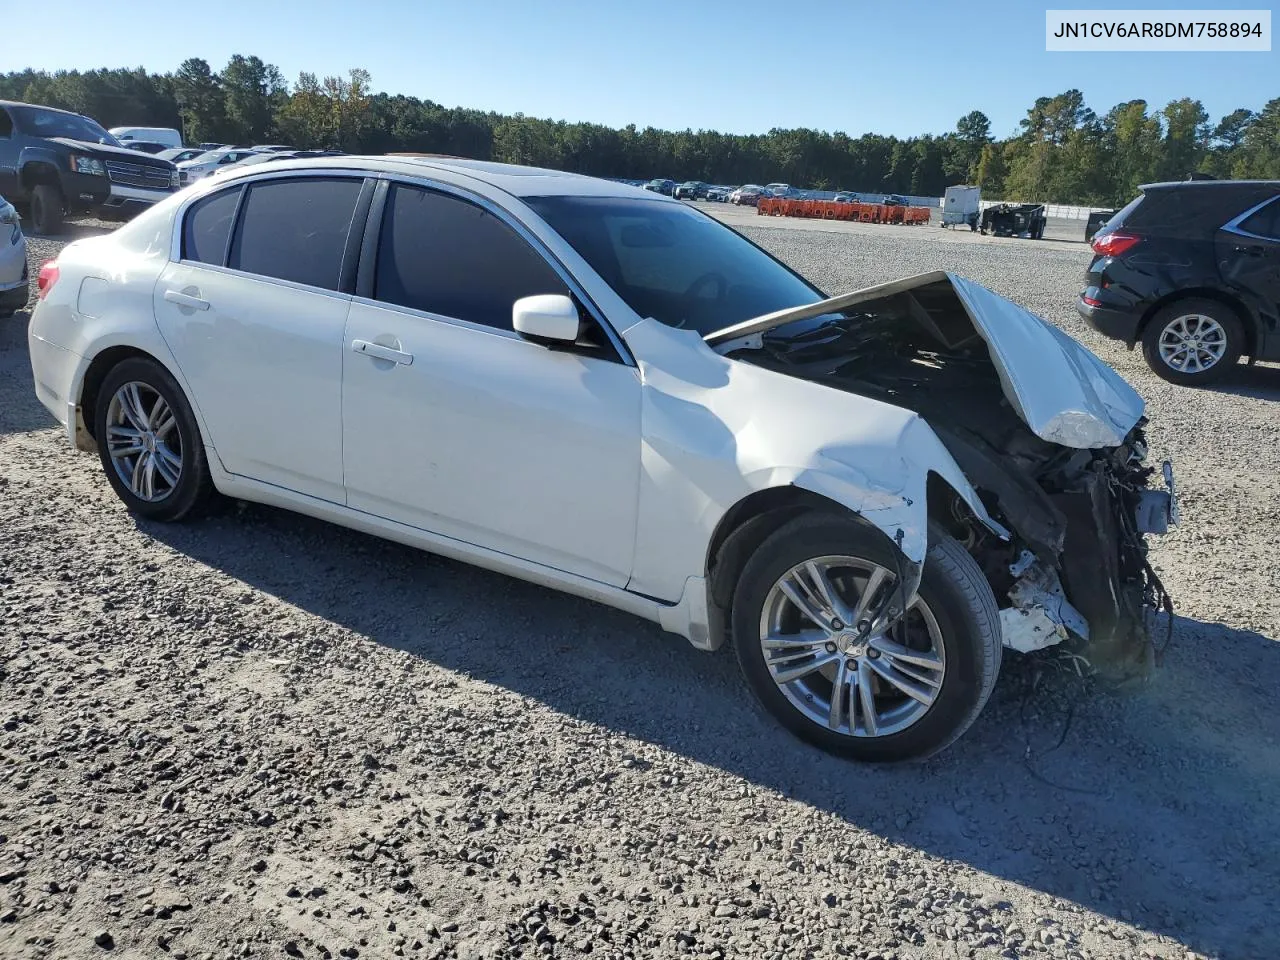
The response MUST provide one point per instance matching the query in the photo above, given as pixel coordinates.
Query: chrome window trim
(1233, 226)
(201, 191)
(623, 354)
(620, 347)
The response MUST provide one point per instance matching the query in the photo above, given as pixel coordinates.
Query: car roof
(1206, 184)
(41, 106)
(519, 181)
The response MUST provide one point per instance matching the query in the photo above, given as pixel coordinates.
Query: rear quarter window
(1264, 222)
(1195, 212)
(208, 228)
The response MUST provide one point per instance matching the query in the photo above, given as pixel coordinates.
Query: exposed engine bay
(1077, 565)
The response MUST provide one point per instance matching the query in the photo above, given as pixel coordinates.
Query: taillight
(1114, 244)
(47, 277)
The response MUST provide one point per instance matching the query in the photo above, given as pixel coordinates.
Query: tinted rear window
(296, 229)
(208, 226)
(1189, 211)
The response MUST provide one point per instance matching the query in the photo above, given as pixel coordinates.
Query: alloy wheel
(1192, 343)
(143, 441)
(840, 653)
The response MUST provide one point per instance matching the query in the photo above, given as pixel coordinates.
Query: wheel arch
(750, 521)
(1248, 320)
(35, 172)
(746, 525)
(91, 383)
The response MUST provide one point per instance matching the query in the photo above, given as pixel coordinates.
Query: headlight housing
(174, 179)
(9, 218)
(90, 165)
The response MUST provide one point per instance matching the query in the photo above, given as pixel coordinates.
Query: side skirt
(686, 617)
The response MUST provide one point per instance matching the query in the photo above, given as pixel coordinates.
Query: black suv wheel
(1193, 342)
(47, 209)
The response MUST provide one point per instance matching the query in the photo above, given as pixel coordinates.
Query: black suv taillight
(1114, 244)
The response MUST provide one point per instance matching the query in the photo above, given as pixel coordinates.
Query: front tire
(148, 442)
(850, 686)
(1193, 343)
(47, 209)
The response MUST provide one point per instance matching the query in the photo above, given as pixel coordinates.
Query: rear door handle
(1249, 251)
(186, 300)
(380, 352)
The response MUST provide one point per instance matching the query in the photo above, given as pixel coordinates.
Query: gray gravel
(261, 735)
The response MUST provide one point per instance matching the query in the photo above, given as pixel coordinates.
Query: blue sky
(895, 68)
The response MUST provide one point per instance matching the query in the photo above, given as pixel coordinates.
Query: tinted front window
(1265, 222)
(672, 263)
(296, 229)
(208, 226)
(441, 254)
(35, 122)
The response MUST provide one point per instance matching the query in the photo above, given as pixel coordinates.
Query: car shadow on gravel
(1260, 381)
(1146, 806)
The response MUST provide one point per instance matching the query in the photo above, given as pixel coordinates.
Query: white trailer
(961, 205)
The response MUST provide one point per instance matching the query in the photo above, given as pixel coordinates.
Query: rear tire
(148, 442)
(961, 634)
(47, 209)
(1208, 330)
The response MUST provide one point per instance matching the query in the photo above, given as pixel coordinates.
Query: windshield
(35, 122)
(209, 156)
(672, 263)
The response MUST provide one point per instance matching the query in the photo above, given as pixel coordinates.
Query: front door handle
(1248, 251)
(186, 300)
(380, 352)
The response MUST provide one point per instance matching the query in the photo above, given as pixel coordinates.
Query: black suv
(691, 190)
(58, 163)
(1192, 271)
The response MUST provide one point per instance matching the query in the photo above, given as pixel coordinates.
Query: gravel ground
(260, 735)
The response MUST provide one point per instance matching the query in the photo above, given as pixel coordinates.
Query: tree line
(1064, 152)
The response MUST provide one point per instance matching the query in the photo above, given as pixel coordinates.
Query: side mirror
(547, 318)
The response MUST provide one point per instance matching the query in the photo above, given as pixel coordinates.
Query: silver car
(13, 261)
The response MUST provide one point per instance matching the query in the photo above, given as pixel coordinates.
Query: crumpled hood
(1064, 393)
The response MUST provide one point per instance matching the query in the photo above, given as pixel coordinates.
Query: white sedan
(13, 261)
(607, 392)
(198, 167)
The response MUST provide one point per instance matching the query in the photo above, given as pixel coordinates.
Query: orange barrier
(830, 210)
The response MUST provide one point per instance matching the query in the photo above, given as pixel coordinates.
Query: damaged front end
(1050, 437)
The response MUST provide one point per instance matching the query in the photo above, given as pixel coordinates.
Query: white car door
(254, 316)
(452, 423)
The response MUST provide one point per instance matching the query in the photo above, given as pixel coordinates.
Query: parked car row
(748, 194)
